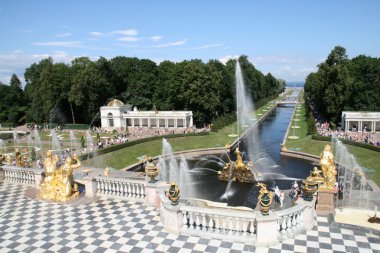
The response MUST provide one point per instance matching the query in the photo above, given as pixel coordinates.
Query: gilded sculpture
(238, 170)
(265, 198)
(328, 168)
(59, 185)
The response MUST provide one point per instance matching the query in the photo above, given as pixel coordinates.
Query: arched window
(110, 119)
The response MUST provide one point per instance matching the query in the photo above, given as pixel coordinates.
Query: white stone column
(373, 129)
(140, 122)
(133, 122)
(360, 126)
(157, 122)
(175, 123)
(166, 123)
(346, 126)
(191, 120)
(184, 122)
(149, 123)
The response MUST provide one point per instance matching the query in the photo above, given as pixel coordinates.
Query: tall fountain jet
(244, 102)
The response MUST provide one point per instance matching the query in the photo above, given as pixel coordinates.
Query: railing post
(266, 229)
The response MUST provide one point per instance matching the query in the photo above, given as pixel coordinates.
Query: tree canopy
(343, 84)
(73, 93)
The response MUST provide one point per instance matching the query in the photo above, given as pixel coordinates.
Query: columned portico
(361, 121)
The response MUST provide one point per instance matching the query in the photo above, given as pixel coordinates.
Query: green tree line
(73, 93)
(343, 84)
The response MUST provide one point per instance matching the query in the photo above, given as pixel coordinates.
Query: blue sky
(286, 38)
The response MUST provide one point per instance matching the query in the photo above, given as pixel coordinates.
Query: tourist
(277, 194)
(282, 197)
(336, 190)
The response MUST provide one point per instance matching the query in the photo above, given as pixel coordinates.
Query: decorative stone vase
(173, 193)
(265, 202)
(151, 171)
(309, 187)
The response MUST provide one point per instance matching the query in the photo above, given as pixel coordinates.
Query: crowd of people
(364, 137)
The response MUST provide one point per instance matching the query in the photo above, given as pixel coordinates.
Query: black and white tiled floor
(110, 225)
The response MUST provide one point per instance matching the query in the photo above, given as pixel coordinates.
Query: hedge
(348, 142)
(132, 143)
(222, 121)
(77, 126)
(7, 125)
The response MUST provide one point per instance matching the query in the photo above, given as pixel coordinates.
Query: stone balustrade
(296, 219)
(31, 176)
(121, 188)
(218, 223)
(207, 219)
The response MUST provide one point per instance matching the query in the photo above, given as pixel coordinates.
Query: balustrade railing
(121, 188)
(21, 175)
(290, 222)
(219, 223)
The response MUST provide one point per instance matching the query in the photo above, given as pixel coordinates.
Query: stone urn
(309, 187)
(173, 193)
(265, 201)
(151, 171)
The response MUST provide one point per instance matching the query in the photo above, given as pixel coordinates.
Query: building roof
(115, 103)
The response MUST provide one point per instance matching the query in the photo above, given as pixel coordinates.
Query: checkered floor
(110, 225)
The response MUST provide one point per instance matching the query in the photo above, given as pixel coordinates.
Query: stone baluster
(191, 221)
(217, 224)
(230, 226)
(184, 220)
(123, 189)
(211, 224)
(252, 227)
(129, 190)
(204, 223)
(224, 227)
(197, 221)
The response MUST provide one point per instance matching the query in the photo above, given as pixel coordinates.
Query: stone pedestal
(309, 214)
(90, 187)
(171, 217)
(266, 229)
(325, 203)
(39, 179)
(152, 194)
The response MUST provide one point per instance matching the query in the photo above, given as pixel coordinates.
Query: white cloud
(129, 39)
(96, 34)
(225, 59)
(171, 44)
(59, 44)
(204, 46)
(63, 35)
(156, 38)
(128, 32)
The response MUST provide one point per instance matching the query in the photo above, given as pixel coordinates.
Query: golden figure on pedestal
(328, 168)
(59, 185)
(238, 170)
(265, 198)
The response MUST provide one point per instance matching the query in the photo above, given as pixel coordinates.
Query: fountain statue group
(19, 160)
(59, 185)
(238, 170)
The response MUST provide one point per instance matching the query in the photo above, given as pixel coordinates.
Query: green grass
(125, 157)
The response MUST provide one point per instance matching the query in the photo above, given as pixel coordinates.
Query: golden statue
(107, 172)
(238, 170)
(60, 187)
(328, 168)
(50, 165)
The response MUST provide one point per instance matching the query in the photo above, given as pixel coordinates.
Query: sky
(287, 38)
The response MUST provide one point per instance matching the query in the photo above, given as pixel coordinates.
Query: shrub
(222, 121)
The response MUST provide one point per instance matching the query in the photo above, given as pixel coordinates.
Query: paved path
(114, 225)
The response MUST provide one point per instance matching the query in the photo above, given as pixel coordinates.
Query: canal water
(277, 170)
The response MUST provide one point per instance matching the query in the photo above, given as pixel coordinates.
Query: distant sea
(295, 84)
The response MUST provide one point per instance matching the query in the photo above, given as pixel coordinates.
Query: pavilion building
(117, 115)
(361, 121)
